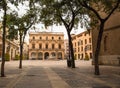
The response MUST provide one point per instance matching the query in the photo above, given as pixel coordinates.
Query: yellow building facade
(82, 44)
(11, 47)
(46, 45)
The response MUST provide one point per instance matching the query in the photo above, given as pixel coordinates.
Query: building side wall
(10, 47)
(110, 47)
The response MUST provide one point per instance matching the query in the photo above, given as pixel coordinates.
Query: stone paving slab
(78, 79)
(55, 80)
(35, 77)
(55, 74)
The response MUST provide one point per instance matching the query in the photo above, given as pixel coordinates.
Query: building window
(90, 55)
(46, 46)
(75, 56)
(85, 41)
(59, 46)
(52, 38)
(90, 47)
(78, 56)
(33, 37)
(89, 40)
(78, 43)
(33, 46)
(78, 49)
(81, 42)
(75, 44)
(40, 38)
(40, 46)
(81, 48)
(82, 56)
(59, 38)
(53, 46)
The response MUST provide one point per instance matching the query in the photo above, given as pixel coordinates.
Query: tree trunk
(97, 51)
(21, 51)
(3, 39)
(71, 51)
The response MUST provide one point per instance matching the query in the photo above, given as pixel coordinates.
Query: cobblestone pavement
(55, 74)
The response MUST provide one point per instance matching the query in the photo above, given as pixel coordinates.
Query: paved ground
(55, 74)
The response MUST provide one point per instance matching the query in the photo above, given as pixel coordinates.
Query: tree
(4, 6)
(21, 25)
(61, 12)
(96, 9)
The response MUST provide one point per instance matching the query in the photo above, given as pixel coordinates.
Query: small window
(40, 38)
(81, 42)
(59, 38)
(85, 41)
(89, 40)
(40, 46)
(81, 48)
(33, 46)
(90, 47)
(53, 46)
(33, 37)
(75, 44)
(59, 46)
(78, 49)
(78, 43)
(46, 46)
(52, 38)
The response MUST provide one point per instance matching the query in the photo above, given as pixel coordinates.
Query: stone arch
(33, 55)
(59, 55)
(46, 55)
(40, 55)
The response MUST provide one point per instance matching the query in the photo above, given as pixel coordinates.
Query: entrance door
(46, 55)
